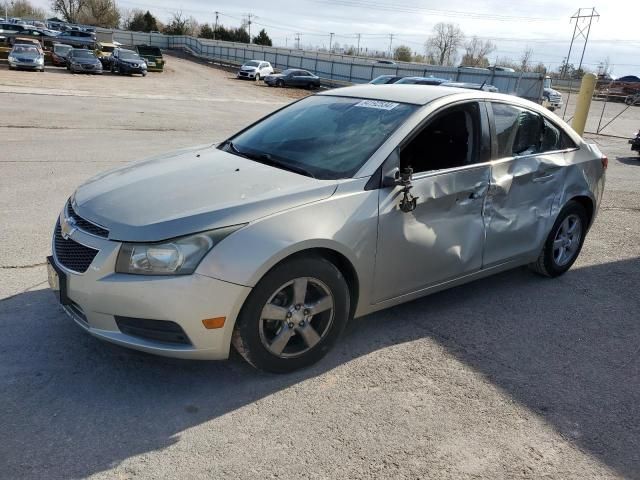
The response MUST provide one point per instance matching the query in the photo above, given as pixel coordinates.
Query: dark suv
(127, 62)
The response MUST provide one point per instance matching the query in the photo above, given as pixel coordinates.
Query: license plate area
(57, 281)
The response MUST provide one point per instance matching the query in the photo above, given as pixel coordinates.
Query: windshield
(288, 72)
(25, 49)
(323, 136)
(252, 63)
(107, 49)
(129, 56)
(83, 54)
(382, 79)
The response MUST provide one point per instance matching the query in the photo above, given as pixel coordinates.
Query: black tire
(257, 77)
(246, 336)
(280, 83)
(546, 264)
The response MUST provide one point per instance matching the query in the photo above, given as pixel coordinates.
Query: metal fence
(334, 66)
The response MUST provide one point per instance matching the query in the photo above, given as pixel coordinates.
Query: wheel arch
(332, 255)
(587, 203)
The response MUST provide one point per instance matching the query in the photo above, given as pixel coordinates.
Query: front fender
(346, 223)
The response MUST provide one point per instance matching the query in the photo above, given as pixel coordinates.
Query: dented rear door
(524, 185)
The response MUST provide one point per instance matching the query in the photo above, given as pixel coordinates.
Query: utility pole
(249, 22)
(358, 50)
(298, 41)
(331, 40)
(391, 35)
(581, 31)
(215, 27)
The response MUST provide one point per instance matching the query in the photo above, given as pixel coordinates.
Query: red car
(59, 54)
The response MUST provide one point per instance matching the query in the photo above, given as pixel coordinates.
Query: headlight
(40, 60)
(179, 256)
(11, 58)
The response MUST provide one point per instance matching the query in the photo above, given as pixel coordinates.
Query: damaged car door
(527, 176)
(431, 225)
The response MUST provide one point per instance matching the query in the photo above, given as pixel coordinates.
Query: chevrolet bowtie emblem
(67, 227)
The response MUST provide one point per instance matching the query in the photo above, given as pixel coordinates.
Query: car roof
(402, 93)
(424, 94)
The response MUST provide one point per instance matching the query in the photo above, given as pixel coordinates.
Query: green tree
(402, 53)
(179, 25)
(262, 39)
(206, 31)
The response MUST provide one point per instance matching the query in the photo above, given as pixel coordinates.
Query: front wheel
(294, 315)
(280, 83)
(564, 243)
(257, 77)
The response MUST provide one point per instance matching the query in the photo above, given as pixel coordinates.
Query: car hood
(551, 91)
(191, 191)
(248, 69)
(30, 56)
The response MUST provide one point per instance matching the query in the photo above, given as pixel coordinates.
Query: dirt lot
(514, 376)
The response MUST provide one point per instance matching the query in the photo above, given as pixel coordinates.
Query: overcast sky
(542, 25)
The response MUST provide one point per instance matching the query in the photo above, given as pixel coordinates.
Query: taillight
(605, 161)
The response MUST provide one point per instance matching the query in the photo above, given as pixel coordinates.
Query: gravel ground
(514, 376)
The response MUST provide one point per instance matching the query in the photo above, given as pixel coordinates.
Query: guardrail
(330, 66)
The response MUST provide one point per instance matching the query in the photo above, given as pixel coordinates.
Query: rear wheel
(293, 316)
(564, 243)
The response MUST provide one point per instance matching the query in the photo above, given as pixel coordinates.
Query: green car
(153, 57)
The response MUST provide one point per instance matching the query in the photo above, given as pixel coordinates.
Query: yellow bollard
(587, 88)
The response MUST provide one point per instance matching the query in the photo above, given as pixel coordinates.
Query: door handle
(543, 178)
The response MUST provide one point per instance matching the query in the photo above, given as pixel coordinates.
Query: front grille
(71, 254)
(85, 225)
(157, 330)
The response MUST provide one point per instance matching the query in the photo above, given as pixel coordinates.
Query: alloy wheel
(567, 240)
(296, 317)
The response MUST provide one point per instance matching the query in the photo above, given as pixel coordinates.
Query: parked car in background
(471, 86)
(82, 60)
(127, 62)
(386, 62)
(104, 50)
(385, 79)
(421, 81)
(59, 54)
(255, 70)
(293, 78)
(10, 28)
(331, 208)
(27, 57)
(77, 39)
(153, 57)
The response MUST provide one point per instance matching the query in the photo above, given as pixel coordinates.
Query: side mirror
(391, 170)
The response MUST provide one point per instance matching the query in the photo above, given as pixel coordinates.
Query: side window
(451, 139)
(551, 137)
(518, 131)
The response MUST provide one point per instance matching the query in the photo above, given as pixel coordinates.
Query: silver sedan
(334, 207)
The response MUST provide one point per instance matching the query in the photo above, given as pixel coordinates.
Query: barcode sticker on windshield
(377, 104)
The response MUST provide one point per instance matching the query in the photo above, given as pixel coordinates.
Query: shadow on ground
(567, 349)
(629, 160)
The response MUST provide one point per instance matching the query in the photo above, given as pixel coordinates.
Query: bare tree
(476, 52)
(69, 9)
(24, 9)
(447, 38)
(525, 60)
(100, 13)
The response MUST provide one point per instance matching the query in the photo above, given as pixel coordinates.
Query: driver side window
(451, 139)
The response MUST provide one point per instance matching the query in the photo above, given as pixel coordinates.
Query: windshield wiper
(268, 159)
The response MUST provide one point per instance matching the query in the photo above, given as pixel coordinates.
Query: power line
(446, 13)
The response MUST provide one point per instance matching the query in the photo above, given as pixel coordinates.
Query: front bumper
(124, 68)
(26, 66)
(242, 74)
(99, 295)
